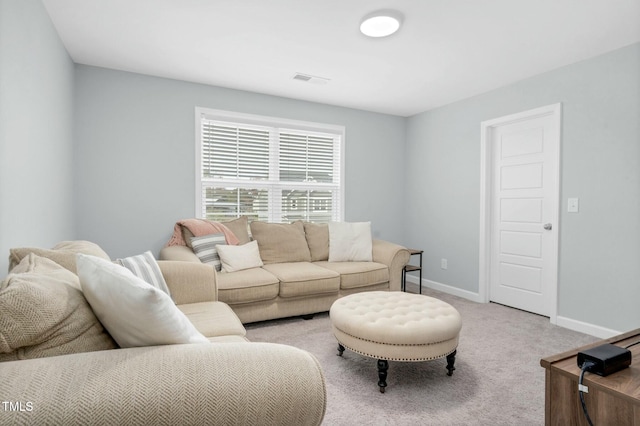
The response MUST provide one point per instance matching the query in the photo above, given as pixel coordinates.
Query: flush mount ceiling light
(381, 23)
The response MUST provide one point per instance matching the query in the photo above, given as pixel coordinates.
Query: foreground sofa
(228, 381)
(296, 276)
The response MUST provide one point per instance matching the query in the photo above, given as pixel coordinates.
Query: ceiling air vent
(310, 78)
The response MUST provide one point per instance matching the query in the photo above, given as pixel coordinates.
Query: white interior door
(523, 200)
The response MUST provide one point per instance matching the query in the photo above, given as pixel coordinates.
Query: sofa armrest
(182, 253)
(395, 257)
(190, 282)
(199, 384)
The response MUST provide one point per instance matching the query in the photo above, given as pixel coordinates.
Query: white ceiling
(446, 50)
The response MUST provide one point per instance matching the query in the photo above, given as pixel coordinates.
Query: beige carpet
(498, 378)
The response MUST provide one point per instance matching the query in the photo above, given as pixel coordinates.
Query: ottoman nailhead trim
(401, 359)
(394, 344)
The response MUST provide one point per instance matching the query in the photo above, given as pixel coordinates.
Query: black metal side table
(411, 268)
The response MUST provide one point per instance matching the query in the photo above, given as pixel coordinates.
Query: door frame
(486, 186)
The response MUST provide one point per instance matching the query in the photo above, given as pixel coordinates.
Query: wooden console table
(611, 400)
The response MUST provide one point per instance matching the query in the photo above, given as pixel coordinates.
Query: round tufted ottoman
(396, 326)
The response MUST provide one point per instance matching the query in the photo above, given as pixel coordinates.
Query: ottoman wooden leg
(451, 359)
(383, 366)
(340, 349)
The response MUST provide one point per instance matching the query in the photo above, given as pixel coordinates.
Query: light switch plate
(573, 205)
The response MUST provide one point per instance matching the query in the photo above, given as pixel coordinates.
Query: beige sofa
(228, 381)
(297, 277)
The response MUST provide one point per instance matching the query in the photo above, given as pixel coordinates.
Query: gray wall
(135, 156)
(109, 156)
(36, 130)
(599, 269)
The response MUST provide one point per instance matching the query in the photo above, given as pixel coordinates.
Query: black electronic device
(607, 359)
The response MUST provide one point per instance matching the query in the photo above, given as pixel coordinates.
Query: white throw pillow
(350, 242)
(133, 311)
(145, 266)
(237, 258)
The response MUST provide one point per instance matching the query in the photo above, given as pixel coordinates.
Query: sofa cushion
(44, 313)
(239, 227)
(213, 319)
(317, 235)
(64, 253)
(250, 285)
(206, 250)
(304, 278)
(145, 266)
(358, 274)
(134, 312)
(281, 242)
(238, 258)
(350, 242)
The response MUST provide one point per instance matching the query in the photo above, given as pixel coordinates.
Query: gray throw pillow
(205, 248)
(145, 266)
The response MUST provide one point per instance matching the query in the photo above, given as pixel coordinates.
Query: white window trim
(260, 120)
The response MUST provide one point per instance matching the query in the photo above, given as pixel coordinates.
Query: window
(269, 169)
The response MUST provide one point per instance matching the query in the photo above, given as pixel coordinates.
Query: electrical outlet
(443, 263)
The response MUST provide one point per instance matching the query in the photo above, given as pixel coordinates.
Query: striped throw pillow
(205, 248)
(145, 266)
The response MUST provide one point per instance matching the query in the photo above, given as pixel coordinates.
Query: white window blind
(267, 168)
(232, 152)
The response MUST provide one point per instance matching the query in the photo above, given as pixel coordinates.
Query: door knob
(547, 226)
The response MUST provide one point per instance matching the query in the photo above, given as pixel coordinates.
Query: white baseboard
(571, 324)
(465, 294)
(586, 328)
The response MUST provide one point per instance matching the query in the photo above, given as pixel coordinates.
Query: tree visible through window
(269, 169)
